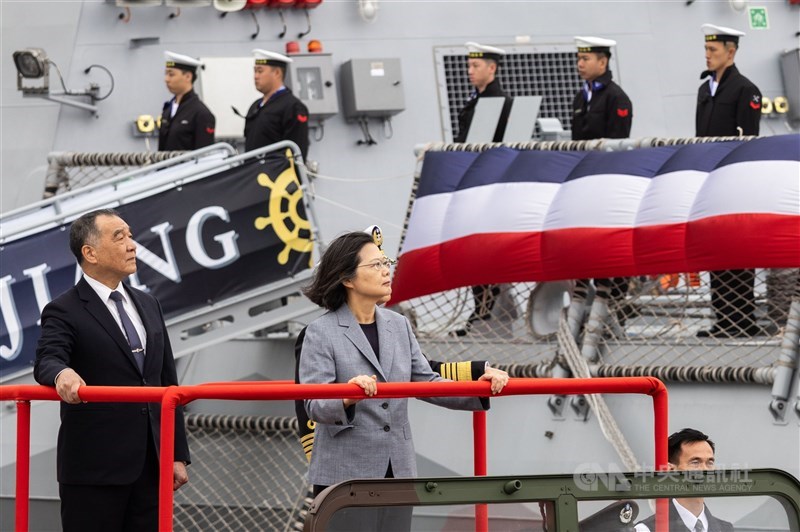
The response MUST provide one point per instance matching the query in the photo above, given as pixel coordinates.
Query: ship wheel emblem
(284, 216)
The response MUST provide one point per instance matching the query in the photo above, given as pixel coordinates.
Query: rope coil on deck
(111, 158)
(58, 162)
(716, 374)
(701, 374)
(581, 145)
(242, 423)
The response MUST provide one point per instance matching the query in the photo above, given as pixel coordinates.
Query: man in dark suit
(728, 105)
(186, 122)
(689, 450)
(102, 332)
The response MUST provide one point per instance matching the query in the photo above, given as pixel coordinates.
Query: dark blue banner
(198, 244)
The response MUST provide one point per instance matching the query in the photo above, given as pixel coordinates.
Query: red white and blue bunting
(505, 215)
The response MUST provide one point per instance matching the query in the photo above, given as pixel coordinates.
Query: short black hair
(84, 229)
(677, 439)
(190, 70)
(337, 265)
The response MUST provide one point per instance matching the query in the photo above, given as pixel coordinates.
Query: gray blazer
(360, 441)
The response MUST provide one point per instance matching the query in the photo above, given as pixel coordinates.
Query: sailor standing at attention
(279, 115)
(482, 65)
(600, 110)
(728, 104)
(186, 123)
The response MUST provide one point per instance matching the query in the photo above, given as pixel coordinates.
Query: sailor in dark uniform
(279, 115)
(728, 104)
(186, 123)
(482, 64)
(601, 109)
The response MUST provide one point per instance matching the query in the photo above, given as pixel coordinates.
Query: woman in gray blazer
(358, 342)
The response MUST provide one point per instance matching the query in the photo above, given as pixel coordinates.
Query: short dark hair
(338, 264)
(84, 229)
(677, 440)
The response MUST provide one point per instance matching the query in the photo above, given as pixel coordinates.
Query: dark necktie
(698, 526)
(130, 331)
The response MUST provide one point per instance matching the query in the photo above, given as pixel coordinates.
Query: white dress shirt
(104, 293)
(712, 86)
(687, 517)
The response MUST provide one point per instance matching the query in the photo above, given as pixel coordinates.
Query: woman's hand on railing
(370, 385)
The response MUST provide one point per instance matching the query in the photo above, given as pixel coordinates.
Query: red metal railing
(174, 396)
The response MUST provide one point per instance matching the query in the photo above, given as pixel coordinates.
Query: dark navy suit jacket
(676, 524)
(105, 443)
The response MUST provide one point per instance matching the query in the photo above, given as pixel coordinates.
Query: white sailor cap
(481, 51)
(594, 44)
(183, 62)
(229, 5)
(721, 33)
(263, 57)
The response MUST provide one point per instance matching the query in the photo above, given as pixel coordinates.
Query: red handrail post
(479, 450)
(661, 435)
(174, 396)
(23, 466)
(169, 402)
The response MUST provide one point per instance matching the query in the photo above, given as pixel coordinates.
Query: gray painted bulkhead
(659, 54)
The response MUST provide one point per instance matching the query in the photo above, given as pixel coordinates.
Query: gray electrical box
(371, 88)
(790, 70)
(310, 77)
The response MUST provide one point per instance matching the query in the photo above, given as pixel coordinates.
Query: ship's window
(527, 70)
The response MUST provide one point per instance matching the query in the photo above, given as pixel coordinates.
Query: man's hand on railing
(497, 377)
(67, 384)
(179, 475)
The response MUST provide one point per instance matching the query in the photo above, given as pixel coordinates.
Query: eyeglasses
(378, 265)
